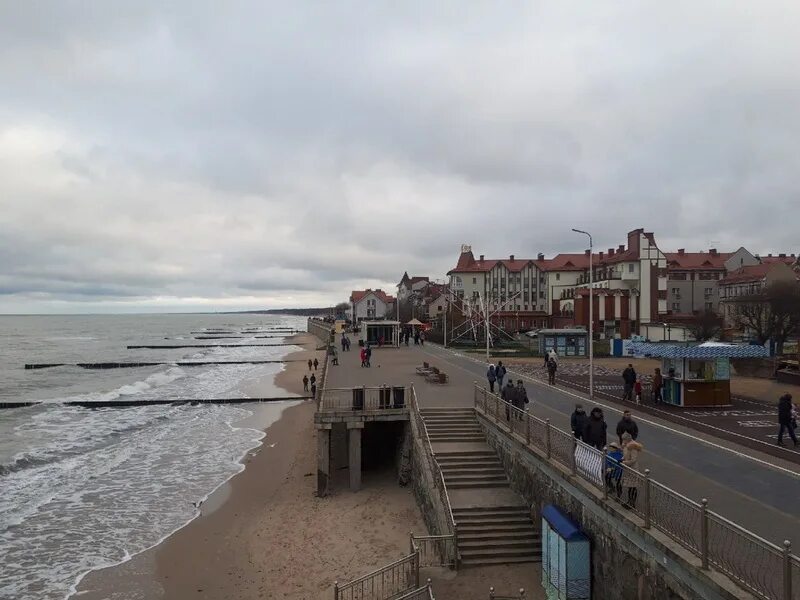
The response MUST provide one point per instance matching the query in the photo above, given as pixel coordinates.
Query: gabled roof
(697, 261)
(468, 264)
(771, 259)
(357, 296)
(747, 274)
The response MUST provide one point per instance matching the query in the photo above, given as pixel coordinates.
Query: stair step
(491, 509)
(457, 456)
(474, 472)
(489, 462)
(510, 521)
(432, 429)
(500, 560)
(511, 527)
(528, 535)
(455, 438)
(489, 518)
(515, 545)
(459, 485)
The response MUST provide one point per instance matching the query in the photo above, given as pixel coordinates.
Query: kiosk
(697, 376)
(375, 332)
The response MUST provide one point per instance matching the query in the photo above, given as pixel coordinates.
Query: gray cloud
(256, 154)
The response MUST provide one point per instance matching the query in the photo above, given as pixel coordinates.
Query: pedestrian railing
(761, 567)
(363, 398)
(434, 550)
(423, 593)
(520, 595)
(445, 544)
(395, 579)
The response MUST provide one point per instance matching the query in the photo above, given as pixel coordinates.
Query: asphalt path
(757, 491)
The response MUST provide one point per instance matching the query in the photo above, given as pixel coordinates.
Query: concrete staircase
(487, 534)
(491, 535)
(452, 425)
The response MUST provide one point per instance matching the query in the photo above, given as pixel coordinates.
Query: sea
(86, 488)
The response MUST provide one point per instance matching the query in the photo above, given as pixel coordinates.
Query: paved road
(759, 492)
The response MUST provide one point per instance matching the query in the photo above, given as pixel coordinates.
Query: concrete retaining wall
(320, 329)
(628, 562)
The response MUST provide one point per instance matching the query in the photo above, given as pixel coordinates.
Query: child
(637, 389)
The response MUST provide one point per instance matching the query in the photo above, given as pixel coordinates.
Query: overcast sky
(235, 155)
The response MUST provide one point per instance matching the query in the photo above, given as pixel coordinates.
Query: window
(709, 291)
(558, 276)
(676, 291)
(526, 306)
(709, 306)
(541, 294)
(474, 280)
(630, 268)
(676, 306)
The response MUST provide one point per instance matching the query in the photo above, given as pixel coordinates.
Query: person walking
(595, 430)
(491, 377)
(521, 397)
(334, 356)
(785, 410)
(421, 338)
(508, 394)
(310, 364)
(369, 355)
(344, 343)
(637, 390)
(363, 357)
(631, 449)
(614, 469)
(658, 386)
(313, 380)
(552, 367)
(316, 364)
(578, 421)
(305, 383)
(627, 425)
(628, 379)
(500, 373)
(314, 391)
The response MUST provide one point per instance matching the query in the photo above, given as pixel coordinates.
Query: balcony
(605, 275)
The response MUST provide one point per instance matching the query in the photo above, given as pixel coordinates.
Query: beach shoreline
(136, 577)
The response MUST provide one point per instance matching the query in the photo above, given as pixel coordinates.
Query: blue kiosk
(566, 557)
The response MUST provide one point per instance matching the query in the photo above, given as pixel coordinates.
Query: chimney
(611, 252)
(712, 251)
(769, 255)
(601, 255)
(681, 251)
(621, 248)
(481, 257)
(782, 255)
(586, 253)
(541, 256)
(511, 258)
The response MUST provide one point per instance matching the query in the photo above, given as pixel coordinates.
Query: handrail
(432, 455)
(398, 568)
(779, 567)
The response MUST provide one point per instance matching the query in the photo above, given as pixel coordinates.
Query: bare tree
(771, 314)
(705, 326)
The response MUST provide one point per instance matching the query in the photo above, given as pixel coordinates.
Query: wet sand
(264, 534)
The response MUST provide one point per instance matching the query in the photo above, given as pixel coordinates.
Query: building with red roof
(370, 304)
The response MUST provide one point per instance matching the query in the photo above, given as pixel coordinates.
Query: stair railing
(447, 541)
(390, 581)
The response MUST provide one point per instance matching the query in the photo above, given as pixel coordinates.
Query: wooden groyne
(132, 403)
(181, 363)
(177, 346)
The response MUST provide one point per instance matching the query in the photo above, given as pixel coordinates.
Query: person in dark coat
(491, 377)
(658, 385)
(552, 367)
(785, 419)
(369, 355)
(627, 425)
(578, 421)
(628, 379)
(305, 383)
(594, 432)
(316, 364)
(522, 395)
(509, 394)
(310, 364)
(500, 373)
(313, 380)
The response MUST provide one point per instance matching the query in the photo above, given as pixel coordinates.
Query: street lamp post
(591, 318)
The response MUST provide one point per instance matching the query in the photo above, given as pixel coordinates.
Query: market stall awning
(700, 352)
(414, 322)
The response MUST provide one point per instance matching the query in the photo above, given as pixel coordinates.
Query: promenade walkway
(757, 491)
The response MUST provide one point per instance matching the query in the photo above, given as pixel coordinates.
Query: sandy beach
(264, 534)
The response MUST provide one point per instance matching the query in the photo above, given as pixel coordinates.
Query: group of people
(516, 396)
(408, 332)
(366, 355)
(632, 385)
(345, 343)
(496, 374)
(313, 381)
(592, 430)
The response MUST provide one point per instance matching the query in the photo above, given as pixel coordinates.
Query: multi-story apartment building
(693, 278)
(510, 288)
(750, 280)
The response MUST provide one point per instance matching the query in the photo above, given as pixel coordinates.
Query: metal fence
(446, 543)
(766, 570)
(423, 593)
(395, 579)
(363, 398)
(434, 550)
